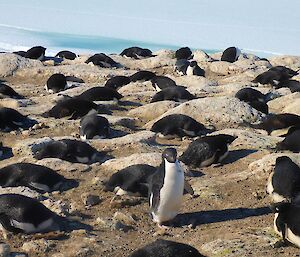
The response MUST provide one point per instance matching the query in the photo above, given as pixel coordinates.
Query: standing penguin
(22, 214)
(284, 183)
(166, 188)
(194, 69)
(286, 222)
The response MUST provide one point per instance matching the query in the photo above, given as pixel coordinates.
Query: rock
(120, 202)
(60, 207)
(10, 63)
(61, 165)
(90, 200)
(4, 250)
(201, 56)
(152, 110)
(263, 167)
(281, 103)
(126, 219)
(292, 62)
(223, 112)
(114, 165)
(194, 82)
(142, 137)
(293, 107)
(249, 139)
(22, 191)
(9, 103)
(224, 68)
(36, 246)
(137, 88)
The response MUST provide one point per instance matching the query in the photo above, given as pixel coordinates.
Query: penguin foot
(279, 244)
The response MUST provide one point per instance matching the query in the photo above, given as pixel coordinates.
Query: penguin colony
(163, 185)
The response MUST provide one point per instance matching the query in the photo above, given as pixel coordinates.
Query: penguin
(7, 91)
(207, 150)
(117, 82)
(177, 94)
(11, 119)
(166, 188)
(69, 150)
(1, 150)
(137, 52)
(66, 55)
(194, 69)
(22, 214)
(100, 94)
(102, 60)
(181, 66)
(36, 52)
(293, 85)
(231, 54)
(277, 121)
(162, 82)
(166, 248)
(36, 177)
(179, 125)
(132, 180)
(286, 222)
(249, 95)
(290, 143)
(292, 129)
(260, 106)
(284, 183)
(93, 126)
(142, 76)
(74, 108)
(20, 53)
(74, 79)
(56, 83)
(183, 53)
(275, 75)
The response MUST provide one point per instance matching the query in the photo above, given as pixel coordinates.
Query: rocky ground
(229, 216)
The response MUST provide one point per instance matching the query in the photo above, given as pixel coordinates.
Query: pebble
(4, 250)
(90, 200)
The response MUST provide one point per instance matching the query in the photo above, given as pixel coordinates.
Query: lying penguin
(37, 177)
(284, 183)
(36, 52)
(291, 142)
(207, 150)
(22, 214)
(11, 119)
(183, 53)
(137, 52)
(142, 76)
(133, 180)
(102, 60)
(166, 188)
(7, 91)
(68, 150)
(117, 82)
(93, 126)
(231, 54)
(56, 83)
(166, 248)
(100, 94)
(286, 222)
(177, 94)
(66, 55)
(74, 108)
(274, 122)
(179, 125)
(161, 82)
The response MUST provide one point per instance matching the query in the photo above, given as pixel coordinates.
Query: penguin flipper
(5, 222)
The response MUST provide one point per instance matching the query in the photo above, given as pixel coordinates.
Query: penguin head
(170, 154)
(193, 64)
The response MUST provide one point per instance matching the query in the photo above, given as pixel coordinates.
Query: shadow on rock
(214, 216)
(235, 155)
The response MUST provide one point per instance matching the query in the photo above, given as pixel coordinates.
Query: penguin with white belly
(166, 188)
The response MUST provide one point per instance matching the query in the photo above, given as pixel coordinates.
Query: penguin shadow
(7, 153)
(215, 216)
(129, 103)
(115, 133)
(235, 155)
(56, 60)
